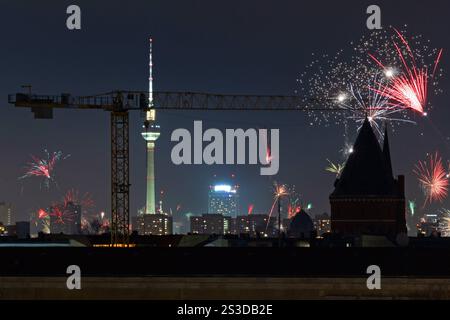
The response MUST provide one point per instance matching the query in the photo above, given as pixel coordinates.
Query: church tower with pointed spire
(367, 199)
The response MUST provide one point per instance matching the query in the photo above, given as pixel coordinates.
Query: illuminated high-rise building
(151, 134)
(6, 213)
(154, 224)
(223, 199)
(210, 224)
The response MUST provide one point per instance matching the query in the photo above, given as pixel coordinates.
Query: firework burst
(61, 213)
(44, 167)
(432, 178)
(335, 168)
(250, 209)
(409, 89)
(354, 85)
(444, 222)
(279, 191)
(73, 196)
(412, 207)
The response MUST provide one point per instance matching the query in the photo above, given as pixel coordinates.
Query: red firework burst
(409, 89)
(43, 167)
(42, 214)
(73, 196)
(293, 210)
(432, 178)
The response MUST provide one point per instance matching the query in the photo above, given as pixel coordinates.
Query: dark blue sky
(256, 47)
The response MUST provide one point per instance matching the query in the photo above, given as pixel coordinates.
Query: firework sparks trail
(294, 207)
(352, 82)
(44, 167)
(87, 204)
(412, 207)
(61, 211)
(408, 90)
(41, 218)
(280, 190)
(42, 214)
(432, 178)
(250, 209)
(335, 168)
(444, 223)
(268, 155)
(373, 105)
(73, 196)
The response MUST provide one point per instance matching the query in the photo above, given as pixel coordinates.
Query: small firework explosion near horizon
(294, 204)
(444, 222)
(335, 168)
(44, 167)
(412, 207)
(73, 196)
(432, 178)
(279, 191)
(250, 209)
(64, 211)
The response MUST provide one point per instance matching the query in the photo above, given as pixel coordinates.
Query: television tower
(151, 134)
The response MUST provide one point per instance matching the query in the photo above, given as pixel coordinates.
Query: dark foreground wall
(253, 262)
(224, 273)
(234, 288)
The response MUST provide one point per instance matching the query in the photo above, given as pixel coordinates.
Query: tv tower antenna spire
(150, 115)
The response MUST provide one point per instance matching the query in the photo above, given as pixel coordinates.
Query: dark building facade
(210, 224)
(367, 199)
(301, 226)
(154, 224)
(255, 225)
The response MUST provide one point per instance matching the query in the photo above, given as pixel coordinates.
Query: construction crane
(119, 103)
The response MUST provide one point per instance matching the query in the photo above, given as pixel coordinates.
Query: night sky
(254, 47)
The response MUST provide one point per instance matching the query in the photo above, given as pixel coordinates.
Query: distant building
(322, 223)
(301, 226)
(11, 230)
(211, 224)
(284, 225)
(66, 220)
(367, 199)
(23, 229)
(223, 199)
(6, 213)
(134, 223)
(255, 225)
(154, 224)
